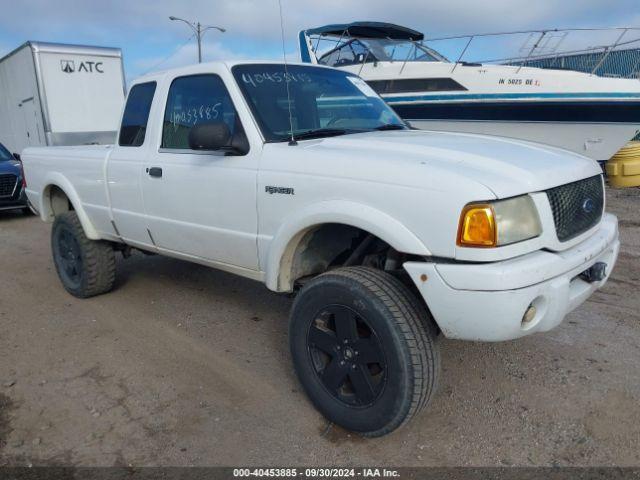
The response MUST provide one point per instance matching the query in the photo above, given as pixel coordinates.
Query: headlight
(499, 223)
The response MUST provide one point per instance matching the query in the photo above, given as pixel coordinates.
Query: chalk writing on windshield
(257, 79)
(191, 116)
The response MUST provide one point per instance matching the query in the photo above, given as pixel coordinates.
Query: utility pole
(198, 30)
(199, 37)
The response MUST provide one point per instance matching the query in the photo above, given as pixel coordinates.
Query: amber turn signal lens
(477, 227)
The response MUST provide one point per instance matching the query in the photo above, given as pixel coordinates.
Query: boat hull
(590, 115)
(596, 128)
(599, 141)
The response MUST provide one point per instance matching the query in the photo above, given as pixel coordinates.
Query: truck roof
(202, 67)
(67, 48)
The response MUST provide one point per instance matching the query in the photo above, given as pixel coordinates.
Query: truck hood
(504, 166)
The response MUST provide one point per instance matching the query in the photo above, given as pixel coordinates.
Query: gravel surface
(184, 365)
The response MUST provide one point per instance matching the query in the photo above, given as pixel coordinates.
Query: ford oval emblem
(588, 205)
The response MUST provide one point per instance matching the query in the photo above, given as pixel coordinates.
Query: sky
(150, 41)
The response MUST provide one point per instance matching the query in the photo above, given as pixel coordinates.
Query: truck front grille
(576, 206)
(7, 185)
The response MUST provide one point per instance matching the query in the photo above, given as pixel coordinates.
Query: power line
(173, 53)
(199, 31)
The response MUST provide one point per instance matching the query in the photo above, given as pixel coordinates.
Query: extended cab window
(196, 100)
(136, 115)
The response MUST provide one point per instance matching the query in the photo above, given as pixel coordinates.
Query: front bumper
(487, 301)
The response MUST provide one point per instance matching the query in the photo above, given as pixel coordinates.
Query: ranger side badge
(281, 190)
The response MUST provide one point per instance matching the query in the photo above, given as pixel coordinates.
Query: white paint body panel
(20, 128)
(84, 100)
(41, 104)
(406, 187)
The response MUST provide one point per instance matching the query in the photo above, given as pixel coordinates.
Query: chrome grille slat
(576, 206)
(8, 185)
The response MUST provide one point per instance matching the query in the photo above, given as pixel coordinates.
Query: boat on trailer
(584, 112)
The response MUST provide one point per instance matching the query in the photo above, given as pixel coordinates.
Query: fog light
(529, 315)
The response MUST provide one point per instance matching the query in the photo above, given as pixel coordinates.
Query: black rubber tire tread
(417, 327)
(99, 260)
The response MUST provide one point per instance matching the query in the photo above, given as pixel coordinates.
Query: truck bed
(81, 166)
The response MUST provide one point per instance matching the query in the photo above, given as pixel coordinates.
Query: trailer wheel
(86, 267)
(364, 349)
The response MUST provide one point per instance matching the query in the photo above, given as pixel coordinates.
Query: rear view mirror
(17, 156)
(209, 136)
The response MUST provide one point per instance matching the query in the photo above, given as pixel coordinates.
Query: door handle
(155, 172)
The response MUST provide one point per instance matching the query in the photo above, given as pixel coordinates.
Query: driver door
(201, 204)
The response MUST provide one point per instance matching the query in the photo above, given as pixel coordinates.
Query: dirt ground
(183, 365)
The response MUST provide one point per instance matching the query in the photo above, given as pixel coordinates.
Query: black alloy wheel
(69, 257)
(347, 355)
(364, 348)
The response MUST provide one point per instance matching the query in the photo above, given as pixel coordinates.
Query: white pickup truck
(302, 178)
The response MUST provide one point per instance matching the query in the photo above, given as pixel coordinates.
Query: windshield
(321, 99)
(4, 154)
(367, 50)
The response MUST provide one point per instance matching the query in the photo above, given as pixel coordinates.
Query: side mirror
(209, 136)
(17, 156)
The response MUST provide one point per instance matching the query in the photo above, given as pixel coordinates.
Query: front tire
(364, 349)
(85, 267)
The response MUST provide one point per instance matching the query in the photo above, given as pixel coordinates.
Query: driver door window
(196, 100)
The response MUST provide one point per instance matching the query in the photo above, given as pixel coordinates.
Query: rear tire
(364, 348)
(85, 267)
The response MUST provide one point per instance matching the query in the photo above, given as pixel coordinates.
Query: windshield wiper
(319, 133)
(334, 132)
(391, 126)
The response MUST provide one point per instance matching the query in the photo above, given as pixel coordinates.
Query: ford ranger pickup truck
(302, 178)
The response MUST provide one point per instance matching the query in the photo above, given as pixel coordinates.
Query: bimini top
(368, 30)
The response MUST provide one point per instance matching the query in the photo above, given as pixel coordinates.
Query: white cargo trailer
(56, 94)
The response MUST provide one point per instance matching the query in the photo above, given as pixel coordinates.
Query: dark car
(12, 194)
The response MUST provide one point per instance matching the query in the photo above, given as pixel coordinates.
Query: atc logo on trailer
(69, 66)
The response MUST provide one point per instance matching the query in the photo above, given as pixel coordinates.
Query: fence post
(533, 49)
(608, 50)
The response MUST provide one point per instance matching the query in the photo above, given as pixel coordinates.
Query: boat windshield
(356, 51)
(324, 102)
